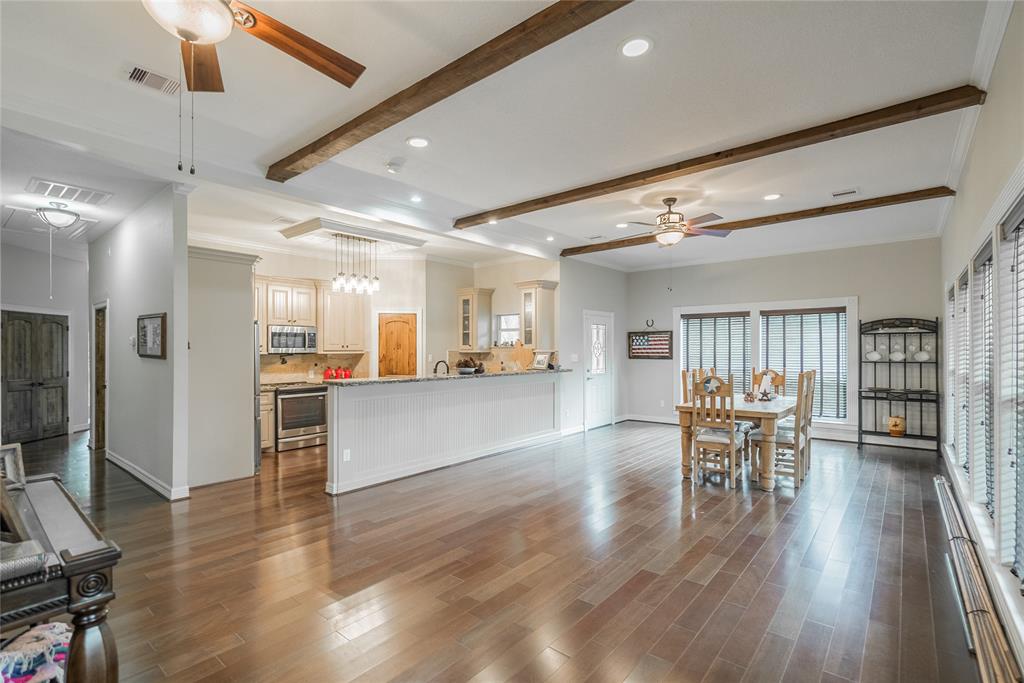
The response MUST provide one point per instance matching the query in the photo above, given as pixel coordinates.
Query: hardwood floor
(585, 559)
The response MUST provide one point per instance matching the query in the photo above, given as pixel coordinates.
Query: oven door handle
(320, 395)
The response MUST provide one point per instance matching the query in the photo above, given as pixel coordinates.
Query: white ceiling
(719, 74)
(26, 157)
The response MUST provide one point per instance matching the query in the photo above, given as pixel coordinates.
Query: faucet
(447, 370)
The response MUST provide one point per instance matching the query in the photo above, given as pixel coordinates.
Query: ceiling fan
(201, 24)
(672, 226)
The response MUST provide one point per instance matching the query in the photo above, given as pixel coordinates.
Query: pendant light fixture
(57, 217)
(376, 277)
(337, 282)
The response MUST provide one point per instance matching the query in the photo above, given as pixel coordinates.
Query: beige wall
(897, 279)
(501, 277)
(997, 152)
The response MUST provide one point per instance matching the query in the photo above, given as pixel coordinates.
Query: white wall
(503, 276)
(995, 159)
(897, 279)
(221, 366)
(24, 285)
(140, 266)
(587, 287)
(442, 320)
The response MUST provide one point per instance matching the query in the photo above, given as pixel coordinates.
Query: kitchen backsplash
(298, 366)
(513, 358)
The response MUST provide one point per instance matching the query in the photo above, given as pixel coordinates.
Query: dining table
(767, 413)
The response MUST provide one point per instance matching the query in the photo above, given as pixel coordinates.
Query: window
(508, 328)
(793, 341)
(1011, 318)
(949, 343)
(963, 376)
(717, 340)
(598, 348)
(983, 377)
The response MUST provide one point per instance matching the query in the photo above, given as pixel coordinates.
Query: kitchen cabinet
(290, 304)
(342, 321)
(537, 313)
(259, 300)
(268, 420)
(474, 313)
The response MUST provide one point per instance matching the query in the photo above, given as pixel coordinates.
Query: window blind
(950, 368)
(717, 340)
(796, 340)
(963, 376)
(983, 374)
(1013, 337)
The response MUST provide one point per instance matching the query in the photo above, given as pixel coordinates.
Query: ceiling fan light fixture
(203, 22)
(669, 236)
(57, 216)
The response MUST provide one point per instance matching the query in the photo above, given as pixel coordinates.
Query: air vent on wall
(67, 193)
(840, 194)
(153, 81)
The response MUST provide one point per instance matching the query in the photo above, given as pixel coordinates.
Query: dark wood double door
(34, 390)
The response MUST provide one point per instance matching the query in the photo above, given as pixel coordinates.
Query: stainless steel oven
(301, 417)
(291, 339)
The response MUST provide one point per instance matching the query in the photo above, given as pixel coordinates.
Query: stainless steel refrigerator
(257, 453)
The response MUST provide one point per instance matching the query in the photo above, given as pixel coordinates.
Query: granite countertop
(438, 378)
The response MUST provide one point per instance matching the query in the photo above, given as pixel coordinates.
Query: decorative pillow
(37, 655)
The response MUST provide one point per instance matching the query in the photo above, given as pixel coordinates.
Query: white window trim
(755, 308)
(499, 329)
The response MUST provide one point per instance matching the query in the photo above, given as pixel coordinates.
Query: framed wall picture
(152, 336)
(653, 344)
(540, 360)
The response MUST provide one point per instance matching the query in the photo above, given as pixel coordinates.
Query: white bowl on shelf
(466, 371)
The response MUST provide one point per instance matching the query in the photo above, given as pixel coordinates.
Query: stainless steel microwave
(291, 339)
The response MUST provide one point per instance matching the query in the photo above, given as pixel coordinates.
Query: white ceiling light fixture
(622, 225)
(203, 22)
(416, 198)
(392, 167)
(635, 47)
(57, 217)
(493, 221)
(669, 236)
(417, 142)
(772, 197)
(550, 238)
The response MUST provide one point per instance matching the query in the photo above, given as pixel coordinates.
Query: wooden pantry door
(34, 389)
(396, 341)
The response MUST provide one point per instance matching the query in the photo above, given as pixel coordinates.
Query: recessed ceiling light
(550, 238)
(622, 225)
(772, 197)
(416, 198)
(493, 221)
(416, 141)
(634, 47)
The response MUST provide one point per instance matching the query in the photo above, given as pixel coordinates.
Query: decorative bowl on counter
(466, 371)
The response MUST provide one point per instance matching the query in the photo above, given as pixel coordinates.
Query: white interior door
(598, 384)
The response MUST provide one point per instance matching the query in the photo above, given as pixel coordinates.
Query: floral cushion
(37, 655)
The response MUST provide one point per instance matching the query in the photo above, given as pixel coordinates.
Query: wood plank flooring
(587, 559)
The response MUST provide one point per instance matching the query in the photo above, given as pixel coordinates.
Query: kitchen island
(385, 429)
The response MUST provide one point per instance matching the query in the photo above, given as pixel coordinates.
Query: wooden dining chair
(778, 380)
(808, 424)
(714, 422)
(691, 376)
(790, 441)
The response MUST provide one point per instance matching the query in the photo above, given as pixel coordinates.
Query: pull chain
(51, 263)
(181, 80)
(192, 66)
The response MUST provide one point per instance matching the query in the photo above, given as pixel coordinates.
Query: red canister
(329, 373)
(346, 374)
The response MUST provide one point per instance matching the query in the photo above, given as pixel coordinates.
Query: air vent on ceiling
(67, 193)
(840, 194)
(153, 81)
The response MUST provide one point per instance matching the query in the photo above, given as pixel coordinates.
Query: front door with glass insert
(599, 386)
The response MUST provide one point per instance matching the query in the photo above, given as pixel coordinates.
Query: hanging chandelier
(358, 255)
(57, 217)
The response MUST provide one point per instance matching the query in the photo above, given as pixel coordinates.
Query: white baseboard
(1004, 586)
(148, 479)
(410, 469)
(79, 428)
(568, 431)
(660, 419)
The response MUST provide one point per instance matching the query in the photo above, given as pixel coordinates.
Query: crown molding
(207, 254)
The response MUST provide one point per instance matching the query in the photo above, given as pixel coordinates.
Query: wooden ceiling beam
(831, 210)
(540, 30)
(930, 105)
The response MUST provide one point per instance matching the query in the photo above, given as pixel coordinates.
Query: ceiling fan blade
(300, 46)
(653, 225)
(709, 232)
(706, 218)
(202, 68)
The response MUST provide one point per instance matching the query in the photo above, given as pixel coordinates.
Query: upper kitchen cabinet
(342, 321)
(474, 310)
(291, 304)
(537, 313)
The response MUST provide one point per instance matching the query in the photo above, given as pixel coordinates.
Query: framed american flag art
(656, 344)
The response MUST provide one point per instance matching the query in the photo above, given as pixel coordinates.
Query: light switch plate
(575, 358)
(346, 455)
